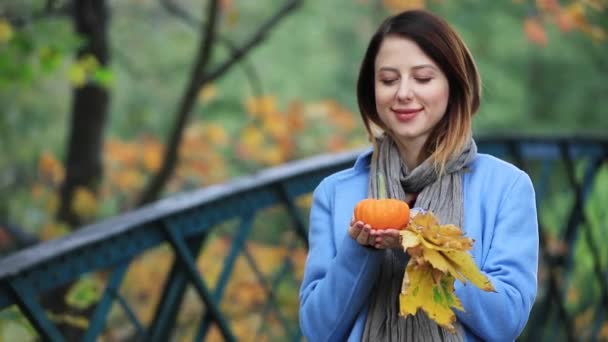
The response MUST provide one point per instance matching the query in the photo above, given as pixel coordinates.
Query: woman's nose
(405, 91)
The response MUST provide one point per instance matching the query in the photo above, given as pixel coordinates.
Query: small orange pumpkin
(383, 213)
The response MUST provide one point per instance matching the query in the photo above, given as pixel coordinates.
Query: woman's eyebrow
(423, 66)
(417, 67)
(389, 69)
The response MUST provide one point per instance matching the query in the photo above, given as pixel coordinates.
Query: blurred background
(110, 105)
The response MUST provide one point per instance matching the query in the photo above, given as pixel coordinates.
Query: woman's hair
(444, 46)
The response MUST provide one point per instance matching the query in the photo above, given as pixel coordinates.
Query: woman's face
(411, 91)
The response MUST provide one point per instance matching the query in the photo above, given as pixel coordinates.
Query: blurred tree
(90, 102)
(201, 76)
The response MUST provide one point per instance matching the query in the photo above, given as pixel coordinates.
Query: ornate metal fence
(570, 175)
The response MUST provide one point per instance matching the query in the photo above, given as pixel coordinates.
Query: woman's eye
(423, 79)
(388, 82)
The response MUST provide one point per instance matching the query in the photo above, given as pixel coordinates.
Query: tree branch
(205, 49)
(191, 21)
(200, 78)
(254, 40)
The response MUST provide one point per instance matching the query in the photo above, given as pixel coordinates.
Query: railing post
(25, 298)
(172, 295)
(183, 254)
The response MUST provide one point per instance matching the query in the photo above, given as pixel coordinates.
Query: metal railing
(564, 170)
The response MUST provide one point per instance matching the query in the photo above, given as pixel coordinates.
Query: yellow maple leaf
(463, 264)
(435, 298)
(424, 220)
(439, 256)
(409, 239)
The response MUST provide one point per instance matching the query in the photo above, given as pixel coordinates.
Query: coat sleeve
(338, 277)
(511, 264)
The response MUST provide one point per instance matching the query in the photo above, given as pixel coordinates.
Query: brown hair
(445, 47)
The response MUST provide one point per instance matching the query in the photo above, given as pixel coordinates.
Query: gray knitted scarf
(443, 196)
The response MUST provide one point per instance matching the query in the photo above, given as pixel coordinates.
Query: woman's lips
(406, 114)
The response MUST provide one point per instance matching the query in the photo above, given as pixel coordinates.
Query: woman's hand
(377, 238)
(386, 238)
(361, 233)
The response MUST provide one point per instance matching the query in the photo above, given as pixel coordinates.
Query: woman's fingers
(379, 238)
(364, 235)
(355, 229)
(386, 238)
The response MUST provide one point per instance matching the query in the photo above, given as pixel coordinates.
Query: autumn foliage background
(543, 65)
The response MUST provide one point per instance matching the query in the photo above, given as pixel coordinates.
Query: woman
(418, 89)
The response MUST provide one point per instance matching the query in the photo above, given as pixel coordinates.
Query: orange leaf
(207, 93)
(152, 156)
(272, 155)
(548, 5)
(84, 202)
(295, 116)
(535, 31)
(261, 105)
(50, 167)
(217, 134)
(252, 137)
(400, 5)
(564, 21)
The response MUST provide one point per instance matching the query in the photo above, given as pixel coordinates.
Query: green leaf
(104, 77)
(84, 293)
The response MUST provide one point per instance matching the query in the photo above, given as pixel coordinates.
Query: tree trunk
(85, 144)
(89, 111)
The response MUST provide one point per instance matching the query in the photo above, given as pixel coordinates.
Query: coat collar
(363, 161)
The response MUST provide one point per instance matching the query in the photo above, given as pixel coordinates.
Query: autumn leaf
(6, 31)
(439, 255)
(50, 168)
(400, 5)
(252, 137)
(535, 31)
(409, 239)
(463, 264)
(548, 5)
(436, 299)
(84, 202)
(271, 155)
(152, 154)
(217, 134)
(295, 116)
(275, 124)
(53, 230)
(261, 105)
(207, 93)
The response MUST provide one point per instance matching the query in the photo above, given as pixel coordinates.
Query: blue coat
(499, 214)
